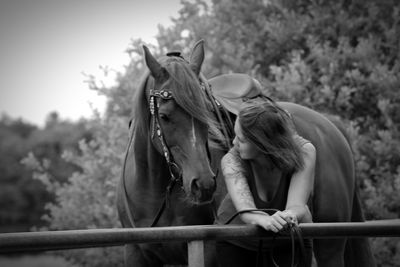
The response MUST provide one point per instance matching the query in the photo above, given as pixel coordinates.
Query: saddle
(231, 90)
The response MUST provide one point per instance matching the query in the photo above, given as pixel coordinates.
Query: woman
(269, 167)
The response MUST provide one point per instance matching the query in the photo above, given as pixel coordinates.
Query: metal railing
(196, 236)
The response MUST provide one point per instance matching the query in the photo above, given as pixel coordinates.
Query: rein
(220, 112)
(294, 232)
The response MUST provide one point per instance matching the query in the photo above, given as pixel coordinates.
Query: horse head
(181, 120)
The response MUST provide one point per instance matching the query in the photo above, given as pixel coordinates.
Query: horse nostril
(203, 190)
(195, 188)
(215, 183)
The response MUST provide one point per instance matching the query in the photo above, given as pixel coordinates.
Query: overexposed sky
(45, 45)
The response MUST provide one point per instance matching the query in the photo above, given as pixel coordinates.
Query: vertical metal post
(200, 253)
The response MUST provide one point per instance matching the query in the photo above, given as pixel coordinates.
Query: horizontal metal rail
(72, 239)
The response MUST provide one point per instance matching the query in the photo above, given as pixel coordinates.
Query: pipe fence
(196, 236)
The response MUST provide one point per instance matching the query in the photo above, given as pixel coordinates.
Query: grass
(41, 260)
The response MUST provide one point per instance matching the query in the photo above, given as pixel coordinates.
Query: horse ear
(197, 57)
(155, 68)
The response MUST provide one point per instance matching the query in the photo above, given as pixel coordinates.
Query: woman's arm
(236, 183)
(241, 196)
(301, 187)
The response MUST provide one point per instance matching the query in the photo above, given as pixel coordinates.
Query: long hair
(270, 128)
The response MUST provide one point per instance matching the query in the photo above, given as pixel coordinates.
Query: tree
(339, 57)
(21, 197)
(335, 57)
(86, 199)
(17, 190)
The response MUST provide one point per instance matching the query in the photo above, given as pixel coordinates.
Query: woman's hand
(276, 222)
(301, 212)
(290, 217)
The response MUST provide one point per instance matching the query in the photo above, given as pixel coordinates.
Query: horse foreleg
(329, 252)
(134, 257)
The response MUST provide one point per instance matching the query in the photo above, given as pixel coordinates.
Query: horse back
(334, 173)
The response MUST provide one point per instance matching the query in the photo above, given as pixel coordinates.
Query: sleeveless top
(278, 201)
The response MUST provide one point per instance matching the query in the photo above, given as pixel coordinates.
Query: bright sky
(47, 44)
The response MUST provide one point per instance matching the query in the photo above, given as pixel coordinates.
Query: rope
(294, 232)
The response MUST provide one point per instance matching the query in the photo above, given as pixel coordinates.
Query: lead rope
(294, 232)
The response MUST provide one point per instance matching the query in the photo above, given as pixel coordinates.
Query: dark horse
(175, 134)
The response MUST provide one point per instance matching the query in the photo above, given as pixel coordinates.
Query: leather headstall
(174, 169)
(176, 174)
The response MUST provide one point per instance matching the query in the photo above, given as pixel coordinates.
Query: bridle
(156, 129)
(174, 170)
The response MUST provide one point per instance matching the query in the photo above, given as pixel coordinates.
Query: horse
(171, 160)
(175, 138)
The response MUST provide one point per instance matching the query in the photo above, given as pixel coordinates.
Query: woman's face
(247, 150)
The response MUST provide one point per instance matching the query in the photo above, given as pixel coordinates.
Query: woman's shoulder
(300, 140)
(232, 154)
(305, 144)
(232, 160)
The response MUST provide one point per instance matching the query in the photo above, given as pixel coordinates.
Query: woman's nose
(234, 142)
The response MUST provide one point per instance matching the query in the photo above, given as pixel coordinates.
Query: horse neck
(151, 171)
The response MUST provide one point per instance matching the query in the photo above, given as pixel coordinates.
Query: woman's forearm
(302, 213)
(237, 184)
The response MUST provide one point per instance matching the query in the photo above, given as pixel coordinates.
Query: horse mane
(186, 91)
(141, 111)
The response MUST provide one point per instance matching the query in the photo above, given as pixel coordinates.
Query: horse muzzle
(202, 190)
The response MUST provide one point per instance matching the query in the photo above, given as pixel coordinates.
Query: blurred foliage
(339, 57)
(87, 200)
(21, 198)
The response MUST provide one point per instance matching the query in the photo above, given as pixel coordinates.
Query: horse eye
(164, 117)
